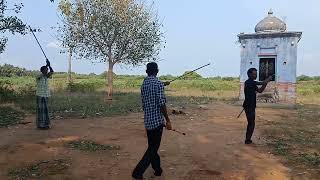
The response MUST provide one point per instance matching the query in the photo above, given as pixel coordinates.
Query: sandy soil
(212, 149)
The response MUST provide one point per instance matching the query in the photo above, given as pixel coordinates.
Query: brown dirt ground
(212, 149)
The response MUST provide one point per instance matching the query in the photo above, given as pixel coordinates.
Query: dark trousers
(251, 116)
(151, 156)
(43, 120)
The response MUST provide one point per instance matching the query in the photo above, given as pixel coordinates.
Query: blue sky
(197, 32)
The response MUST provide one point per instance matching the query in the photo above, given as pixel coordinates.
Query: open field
(97, 139)
(109, 147)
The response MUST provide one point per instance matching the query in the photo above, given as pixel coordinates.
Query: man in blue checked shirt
(155, 111)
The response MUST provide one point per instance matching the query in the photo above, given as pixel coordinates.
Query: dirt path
(212, 149)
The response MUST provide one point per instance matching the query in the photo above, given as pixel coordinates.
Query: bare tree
(111, 31)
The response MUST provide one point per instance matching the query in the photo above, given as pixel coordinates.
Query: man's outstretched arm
(264, 84)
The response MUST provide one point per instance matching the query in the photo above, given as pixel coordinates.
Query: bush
(85, 86)
(128, 83)
(6, 90)
(167, 77)
(304, 78)
(191, 76)
(104, 74)
(229, 78)
(316, 78)
(316, 89)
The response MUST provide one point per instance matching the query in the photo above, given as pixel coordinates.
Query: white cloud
(55, 44)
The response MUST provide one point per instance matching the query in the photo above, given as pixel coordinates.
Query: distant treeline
(8, 70)
(308, 78)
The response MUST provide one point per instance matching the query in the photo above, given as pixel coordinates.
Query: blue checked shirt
(152, 95)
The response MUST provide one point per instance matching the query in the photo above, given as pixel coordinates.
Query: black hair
(152, 69)
(249, 72)
(43, 68)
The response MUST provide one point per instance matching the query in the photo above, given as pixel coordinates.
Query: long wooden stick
(189, 73)
(179, 132)
(240, 114)
(38, 43)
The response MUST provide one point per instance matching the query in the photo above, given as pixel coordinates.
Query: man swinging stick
(155, 111)
(250, 90)
(43, 94)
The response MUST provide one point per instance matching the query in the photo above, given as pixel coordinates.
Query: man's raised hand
(48, 62)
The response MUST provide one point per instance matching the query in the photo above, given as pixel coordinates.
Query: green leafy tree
(111, 31)
(10, 24)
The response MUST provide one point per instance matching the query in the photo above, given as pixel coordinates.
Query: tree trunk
(110, 81)
(69, 66)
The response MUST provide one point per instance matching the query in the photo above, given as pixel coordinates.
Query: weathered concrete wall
(275, 92)
(284, 50)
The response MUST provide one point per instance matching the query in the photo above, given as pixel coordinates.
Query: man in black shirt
(250, 91)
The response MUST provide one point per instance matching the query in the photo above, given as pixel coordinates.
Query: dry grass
(310, 99)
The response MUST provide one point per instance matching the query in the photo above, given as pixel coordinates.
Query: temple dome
(270, 24)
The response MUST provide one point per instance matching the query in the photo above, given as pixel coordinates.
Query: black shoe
(248, 142)
(137, 177)
(158, 173)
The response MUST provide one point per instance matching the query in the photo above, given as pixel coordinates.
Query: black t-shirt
(250, 92)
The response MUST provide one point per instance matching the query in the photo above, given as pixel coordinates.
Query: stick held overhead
(39, 44)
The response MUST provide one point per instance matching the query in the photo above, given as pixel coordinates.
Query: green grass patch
(311, 159)
(40, 170)
(9, 116)
(91, 146)
(280, 147)
(83, 105)
(296, 137)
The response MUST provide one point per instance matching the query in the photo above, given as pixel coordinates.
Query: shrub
(6, 90)
(85, 86)
(304, 78)
(316, 89)
(104, 74)
(316, 78)
(191, 76)
(167, 77)
(229, 78)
